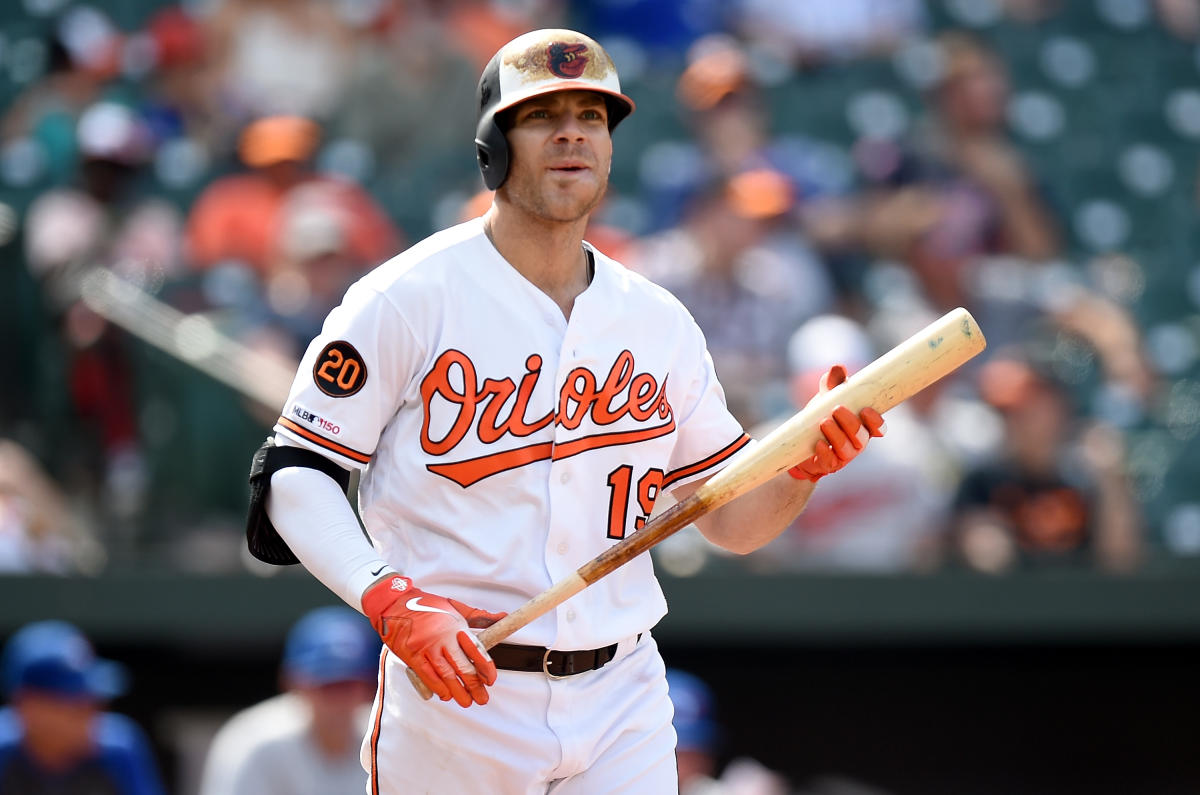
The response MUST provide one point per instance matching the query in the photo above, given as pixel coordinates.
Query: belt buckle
(546, 666)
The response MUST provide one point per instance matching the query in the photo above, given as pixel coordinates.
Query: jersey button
(562, 547)
(571, 614)
(565, 477)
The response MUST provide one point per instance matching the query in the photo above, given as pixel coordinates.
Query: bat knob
(418, 685)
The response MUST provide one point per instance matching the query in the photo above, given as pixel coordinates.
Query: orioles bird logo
(567, 60)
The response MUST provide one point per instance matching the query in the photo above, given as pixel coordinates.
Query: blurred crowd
(815, 182)
(60, 733)
(241, 162)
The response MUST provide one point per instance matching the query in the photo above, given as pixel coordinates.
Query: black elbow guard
(262, 538)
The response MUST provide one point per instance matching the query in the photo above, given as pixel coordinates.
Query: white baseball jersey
(503, 445)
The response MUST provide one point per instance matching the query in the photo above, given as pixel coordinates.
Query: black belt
(511, 657)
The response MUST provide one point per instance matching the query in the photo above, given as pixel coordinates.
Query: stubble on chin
(541, 202)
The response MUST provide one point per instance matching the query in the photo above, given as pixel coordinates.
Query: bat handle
(539, 605)
(497, 632)
(418, 685)
(487, 638)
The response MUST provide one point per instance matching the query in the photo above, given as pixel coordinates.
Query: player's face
(560, 152)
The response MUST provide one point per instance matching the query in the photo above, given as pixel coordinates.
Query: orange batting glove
(431, 634)
(845, 434)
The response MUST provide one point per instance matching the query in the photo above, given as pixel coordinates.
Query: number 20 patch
(340, 371)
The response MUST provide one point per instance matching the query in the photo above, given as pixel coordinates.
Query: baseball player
(515, 401)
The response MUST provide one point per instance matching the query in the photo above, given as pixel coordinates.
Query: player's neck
(549, 255)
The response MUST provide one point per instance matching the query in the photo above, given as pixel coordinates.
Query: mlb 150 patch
(340, 371)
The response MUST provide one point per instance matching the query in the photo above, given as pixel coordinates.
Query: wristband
(377, 597)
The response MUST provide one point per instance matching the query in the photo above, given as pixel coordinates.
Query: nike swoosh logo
(415, 604)
(376, 572)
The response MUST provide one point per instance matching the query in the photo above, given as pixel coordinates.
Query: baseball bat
(192, 339)
(930, 354)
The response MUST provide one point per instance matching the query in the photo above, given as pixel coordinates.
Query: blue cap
(693, 721)
(55, 657)
(331, 644)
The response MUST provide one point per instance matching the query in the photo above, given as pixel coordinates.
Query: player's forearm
(755, 519)
(313, 516)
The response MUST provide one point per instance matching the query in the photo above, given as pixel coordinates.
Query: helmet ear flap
(491, 152)
(491, 148)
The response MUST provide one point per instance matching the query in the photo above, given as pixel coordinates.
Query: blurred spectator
(278, 57)
(315, 261)
(102, 223)
(663, 28)
(960, 190)
(699, 738)
(724, 106)
(1031, 12)
(55, 738)
(1058, 494)
(1180, 18)
(306, 740)
(408, 85)
(890, 515)
(38, 531)
(746, 292)
(1112, 332)
(104, 220)
(814, 33)
(178, 96)
(84, 49)
(239, 217)
(478, 28)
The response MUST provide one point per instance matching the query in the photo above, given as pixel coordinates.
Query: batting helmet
(331, 644)
(536, 63)
(695, 726)
(55, 657)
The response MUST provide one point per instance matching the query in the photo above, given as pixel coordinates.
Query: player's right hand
(431, 634)
(845, 434)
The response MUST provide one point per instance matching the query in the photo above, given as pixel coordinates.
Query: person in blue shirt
(55, 737)
(699, 737)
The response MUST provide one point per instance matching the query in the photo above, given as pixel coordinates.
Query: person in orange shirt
(240, 217)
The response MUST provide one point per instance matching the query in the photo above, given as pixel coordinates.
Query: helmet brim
(564, 85)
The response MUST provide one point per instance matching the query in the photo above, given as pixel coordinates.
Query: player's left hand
(431, 634)
(846, 434)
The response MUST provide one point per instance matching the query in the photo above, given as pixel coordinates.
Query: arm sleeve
(312, 515)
